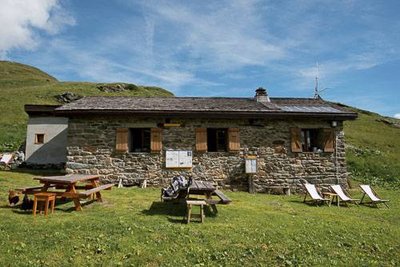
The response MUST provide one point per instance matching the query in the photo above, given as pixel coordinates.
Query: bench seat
(30, 189)
(90, 192)
(222, 196)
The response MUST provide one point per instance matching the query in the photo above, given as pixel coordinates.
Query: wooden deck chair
(375, 199)
(342, 195)
(6, 159)
(315, 195)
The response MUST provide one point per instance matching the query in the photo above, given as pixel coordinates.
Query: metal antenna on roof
(318, 91)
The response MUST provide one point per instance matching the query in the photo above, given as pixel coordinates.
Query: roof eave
(41, 109)
(216, 114)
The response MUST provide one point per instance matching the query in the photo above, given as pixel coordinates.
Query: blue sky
(216, 48)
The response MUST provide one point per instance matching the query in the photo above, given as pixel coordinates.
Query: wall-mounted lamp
(334, 123)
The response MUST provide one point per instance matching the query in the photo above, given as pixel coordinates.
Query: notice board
(178, 159)
(251, 165)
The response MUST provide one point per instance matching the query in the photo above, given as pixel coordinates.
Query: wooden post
(252, 189)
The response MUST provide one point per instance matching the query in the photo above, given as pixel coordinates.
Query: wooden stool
(200, 203)
(45, 197)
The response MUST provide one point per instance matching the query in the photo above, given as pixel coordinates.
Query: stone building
(135, 138)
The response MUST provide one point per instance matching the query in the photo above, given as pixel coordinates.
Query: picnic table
(208, 190)
(70, 187)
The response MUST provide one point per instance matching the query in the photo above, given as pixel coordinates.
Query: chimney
(261, 95)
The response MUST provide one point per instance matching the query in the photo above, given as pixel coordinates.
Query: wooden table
(208, 190)
(202, 188)
(70, 184)
(332, 197)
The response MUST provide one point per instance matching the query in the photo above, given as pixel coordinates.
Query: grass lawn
(133, 228)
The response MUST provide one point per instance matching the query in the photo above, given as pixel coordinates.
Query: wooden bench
(30, 190)
(224, 199)
(90, 192)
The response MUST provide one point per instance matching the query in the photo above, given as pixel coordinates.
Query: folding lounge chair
(313, 193)
(342, 195)
(6, 159)
(372, 195)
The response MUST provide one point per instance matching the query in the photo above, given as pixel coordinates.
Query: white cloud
(226, 36)
(397, 116)
(20, 20)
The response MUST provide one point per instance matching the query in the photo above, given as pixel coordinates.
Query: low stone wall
(91, 150)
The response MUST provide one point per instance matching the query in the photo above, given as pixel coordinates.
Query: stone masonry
(91, 150)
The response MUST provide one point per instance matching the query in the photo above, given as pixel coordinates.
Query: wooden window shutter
(296, 139)
(233, 139)
(121, 140)
(156, 140)
(329, 140)
(201, 139)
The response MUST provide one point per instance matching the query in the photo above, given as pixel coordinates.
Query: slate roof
(204, 105)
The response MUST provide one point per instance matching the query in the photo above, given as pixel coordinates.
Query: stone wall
(91, 150)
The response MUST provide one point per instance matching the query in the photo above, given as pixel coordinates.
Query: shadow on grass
(173, 210)
(17, 208)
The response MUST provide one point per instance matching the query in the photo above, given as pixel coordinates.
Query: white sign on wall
(178, 159)
(251, 165)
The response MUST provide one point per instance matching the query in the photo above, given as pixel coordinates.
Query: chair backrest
(6, 158)
(339, 191)
(312, 190)
(368, 190)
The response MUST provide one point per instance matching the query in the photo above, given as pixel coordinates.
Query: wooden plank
(201, 139)
(95, 190)
(31, 188)
(156, 140)
(121, 140)
(222, 196)
(329, 140)
(66, 179)
(296, 140)
(233, 139)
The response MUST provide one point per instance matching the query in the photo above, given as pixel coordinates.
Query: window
(312, 140)
(39, 138)
(217, 139)
(139, 140)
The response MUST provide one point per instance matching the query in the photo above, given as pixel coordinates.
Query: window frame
(214, 138)
(39, 141)
(145, 136)
(313, 140)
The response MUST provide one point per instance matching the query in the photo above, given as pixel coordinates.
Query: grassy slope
(373, 149)
(131, 227)
(21, 84)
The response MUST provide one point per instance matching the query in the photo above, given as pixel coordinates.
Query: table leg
(34, 206)
(53, 203)
(202, 213)
(213, 206)
(189, 212)
(71, 189)
(95, 183)
(46, 207)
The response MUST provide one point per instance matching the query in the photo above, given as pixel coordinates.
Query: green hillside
(373, 148)
(21, 84)
(373, 143)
